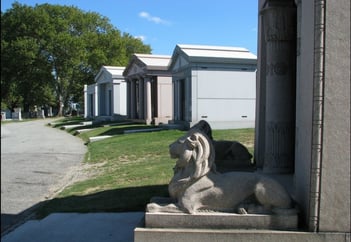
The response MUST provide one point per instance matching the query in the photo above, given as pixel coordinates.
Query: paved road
(35, 159)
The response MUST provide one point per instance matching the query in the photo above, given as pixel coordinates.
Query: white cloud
(141, 37)
(156, 20)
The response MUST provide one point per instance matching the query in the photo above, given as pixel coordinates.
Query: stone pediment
(179, 62)
(108, 73)
(104, 77)
(136, 68)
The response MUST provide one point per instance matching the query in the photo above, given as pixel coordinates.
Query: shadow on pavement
(128, 199)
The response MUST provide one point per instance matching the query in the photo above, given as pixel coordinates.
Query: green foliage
(48, 52)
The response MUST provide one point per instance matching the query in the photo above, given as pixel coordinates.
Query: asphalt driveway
(35, 160)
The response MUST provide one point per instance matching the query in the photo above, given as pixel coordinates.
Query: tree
(48, 52)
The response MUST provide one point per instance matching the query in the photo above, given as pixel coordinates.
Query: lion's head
(195, 153)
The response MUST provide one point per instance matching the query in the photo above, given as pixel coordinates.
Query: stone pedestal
(209, 227)
(214, 220)
(211, 235)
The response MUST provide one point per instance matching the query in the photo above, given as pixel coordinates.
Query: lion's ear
(192, 141)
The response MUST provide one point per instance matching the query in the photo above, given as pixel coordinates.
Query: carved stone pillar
(279, 23)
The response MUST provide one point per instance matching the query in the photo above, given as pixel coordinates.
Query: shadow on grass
(120, 127)
(116, 200)
(68, 121)
(116, 131)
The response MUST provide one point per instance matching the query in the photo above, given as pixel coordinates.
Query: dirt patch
(75, 174)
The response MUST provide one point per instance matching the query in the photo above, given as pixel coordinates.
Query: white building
(107, 98)
(214, 83)
(149, 88)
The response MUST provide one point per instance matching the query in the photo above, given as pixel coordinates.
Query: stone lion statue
(196, 186)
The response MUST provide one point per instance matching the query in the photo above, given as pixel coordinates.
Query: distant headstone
(17, 114)
(3, 116)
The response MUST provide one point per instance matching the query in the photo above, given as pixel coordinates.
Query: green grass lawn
(128, 169)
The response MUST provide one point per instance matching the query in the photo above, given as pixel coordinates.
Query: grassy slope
(129, 170)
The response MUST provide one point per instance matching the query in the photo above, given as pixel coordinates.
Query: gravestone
(50, 112)
(3, 116)
(17, 114)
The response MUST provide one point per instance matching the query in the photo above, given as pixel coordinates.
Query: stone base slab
(211, 235)
(211, 220)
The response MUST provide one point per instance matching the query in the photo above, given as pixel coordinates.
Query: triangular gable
(144, 63)
(109, 73)
(135, 68)
(178, 62)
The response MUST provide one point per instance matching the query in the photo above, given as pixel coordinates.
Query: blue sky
(162, 24)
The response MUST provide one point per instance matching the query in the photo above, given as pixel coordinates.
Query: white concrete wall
(165, 99)
(90, 90)
(224, 98)
(120, 98)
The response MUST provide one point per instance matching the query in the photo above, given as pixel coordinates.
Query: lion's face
(194, 152)
(181, 150)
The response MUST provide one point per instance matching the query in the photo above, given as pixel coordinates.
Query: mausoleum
(149, 89)
(214, 83)
(107, 98)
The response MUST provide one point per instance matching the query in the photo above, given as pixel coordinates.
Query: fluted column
(128, 98)
(148, 115)
(132, 99)
(177, 96)
(141, 98)
(279, 23)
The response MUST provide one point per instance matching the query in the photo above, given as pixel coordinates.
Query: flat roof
(216, 51)
(154, 60)
(149, 62)
(114, 71)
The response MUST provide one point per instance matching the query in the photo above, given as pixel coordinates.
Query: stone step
(79, 131)
(97, 138)
(211, 235)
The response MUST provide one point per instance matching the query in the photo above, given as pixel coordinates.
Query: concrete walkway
(73, 227)
(36, 161)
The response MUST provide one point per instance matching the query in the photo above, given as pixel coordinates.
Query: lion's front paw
(152, 207)
(242, 211)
